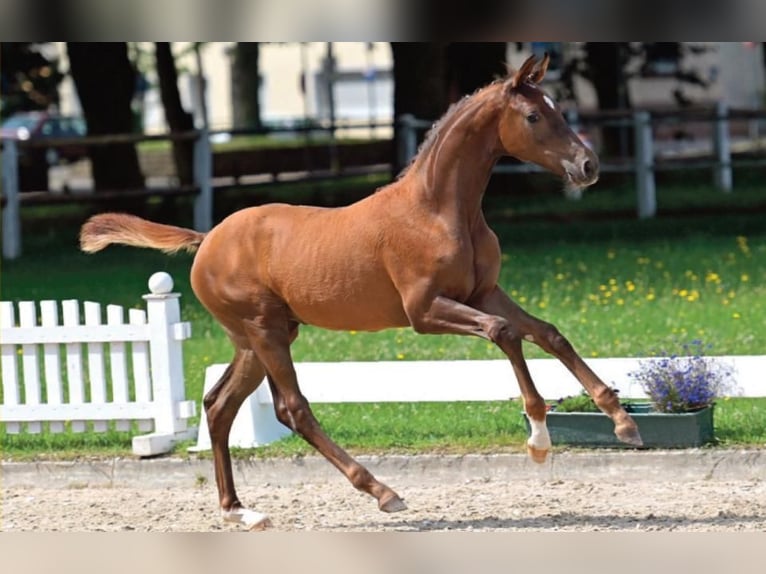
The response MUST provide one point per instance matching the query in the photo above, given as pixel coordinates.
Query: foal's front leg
(497, 318)
(444, 315)
(552, 341)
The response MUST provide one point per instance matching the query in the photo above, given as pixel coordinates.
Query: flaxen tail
(107, 228)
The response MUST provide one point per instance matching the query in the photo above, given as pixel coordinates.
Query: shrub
(581, 403)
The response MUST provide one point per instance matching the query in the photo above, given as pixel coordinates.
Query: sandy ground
(468, 505)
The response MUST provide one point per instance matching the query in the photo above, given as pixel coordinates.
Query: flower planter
(658, 430)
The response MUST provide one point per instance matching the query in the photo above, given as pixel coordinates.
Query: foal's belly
(349, 305)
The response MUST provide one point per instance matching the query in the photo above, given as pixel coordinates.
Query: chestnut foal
(417, 253)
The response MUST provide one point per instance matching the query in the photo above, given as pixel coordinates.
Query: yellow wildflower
(742, 244)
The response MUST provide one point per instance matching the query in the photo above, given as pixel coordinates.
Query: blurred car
(35, 161)
(38, 125)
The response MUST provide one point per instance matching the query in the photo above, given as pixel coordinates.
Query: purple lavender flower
(685, 382)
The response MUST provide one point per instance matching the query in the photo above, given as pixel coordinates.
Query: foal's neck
(454, 169)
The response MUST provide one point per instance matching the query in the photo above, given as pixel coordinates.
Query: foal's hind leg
(241, 378)
(270, 339)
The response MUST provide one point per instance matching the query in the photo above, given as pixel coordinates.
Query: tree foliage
(29, 78)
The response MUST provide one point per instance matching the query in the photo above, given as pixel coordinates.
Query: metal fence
(641, 125)
(646, 160)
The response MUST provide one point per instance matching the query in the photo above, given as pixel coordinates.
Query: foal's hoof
(537, 454)
(250, 519)
(629, 435)
(392, 504)
(262, 525)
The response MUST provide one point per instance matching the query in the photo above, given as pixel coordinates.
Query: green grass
(402, 428)
(614, 287)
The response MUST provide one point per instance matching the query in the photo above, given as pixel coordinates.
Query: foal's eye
(533, 117)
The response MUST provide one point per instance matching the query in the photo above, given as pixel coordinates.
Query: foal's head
(533, 129)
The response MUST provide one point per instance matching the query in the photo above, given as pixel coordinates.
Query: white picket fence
(439, 381)
(87, 373)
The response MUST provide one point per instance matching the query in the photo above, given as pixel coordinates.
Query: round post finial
(160, 283)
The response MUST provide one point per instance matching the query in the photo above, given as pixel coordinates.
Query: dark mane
(435, 129)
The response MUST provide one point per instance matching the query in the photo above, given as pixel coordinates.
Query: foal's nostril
(588, 169)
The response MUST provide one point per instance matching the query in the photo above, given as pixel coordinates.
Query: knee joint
(499, 331)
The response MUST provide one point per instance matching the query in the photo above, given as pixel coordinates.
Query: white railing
(88, 373)
(440, 381)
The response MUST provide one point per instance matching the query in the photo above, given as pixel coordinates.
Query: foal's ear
(531, 72)
(538, 73)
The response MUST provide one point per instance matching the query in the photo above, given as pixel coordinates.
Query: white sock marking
(243, 516)
(539, 437)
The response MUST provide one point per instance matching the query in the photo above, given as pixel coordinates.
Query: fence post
(203, 174)
(11, 212)
(644, 160)
(166, 358)
(573, 119)
(408, 140)
(722, 173)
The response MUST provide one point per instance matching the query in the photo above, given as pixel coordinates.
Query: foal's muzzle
(583, 171)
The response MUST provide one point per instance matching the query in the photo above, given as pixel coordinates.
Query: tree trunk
(472, 65)
(178, 119)
(419, 84)
(245, 81)
(105, 82)
(606, 63)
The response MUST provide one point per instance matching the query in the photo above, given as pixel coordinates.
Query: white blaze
(547, 99)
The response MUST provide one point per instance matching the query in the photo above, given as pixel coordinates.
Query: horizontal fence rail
(644, 164)
(647, 159)
(71, 369)
(201, 188)
(441, 381)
